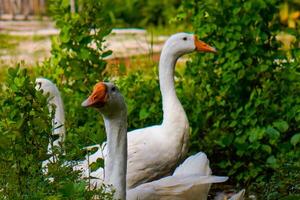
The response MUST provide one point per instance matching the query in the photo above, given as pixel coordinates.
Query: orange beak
(98, 97)
(202, 46)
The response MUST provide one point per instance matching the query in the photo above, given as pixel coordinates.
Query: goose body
(190, 181)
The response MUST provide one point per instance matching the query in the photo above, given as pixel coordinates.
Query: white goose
(166, 142)
(191, 180)
(58, 122)
(54, 98)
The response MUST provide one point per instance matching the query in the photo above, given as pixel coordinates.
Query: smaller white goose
(190, 181)
(58, 122)
(58, 129)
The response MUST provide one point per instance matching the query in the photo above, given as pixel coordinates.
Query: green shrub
(143, 99)
(135, 13)
(285, 182)
(76, 64)
(24, 129)
(245, 112)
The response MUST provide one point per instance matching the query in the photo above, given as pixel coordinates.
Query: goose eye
(39, 85)
(185, 38)
(113, 89)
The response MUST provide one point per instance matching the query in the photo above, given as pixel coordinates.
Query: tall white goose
(166, 142)
(190, 181)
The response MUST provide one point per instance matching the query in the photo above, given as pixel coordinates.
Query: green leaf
(256, 134)
(96, 165)
(241, 74)
(266, 148)
(263, 68)
(54, 197)
(272, 161)
(281, 125)
(65, 34)
(65, 3)
(295, 139)
(247, 6)
(233, 123)
(272, 132)
(106, 53)
(143, 113)
(236, 10)
(68, 189)
(84, 53)
(122, 68)
(225, 140)
(12, 72)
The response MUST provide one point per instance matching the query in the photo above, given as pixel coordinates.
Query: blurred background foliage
(135, 13)
(242, 103)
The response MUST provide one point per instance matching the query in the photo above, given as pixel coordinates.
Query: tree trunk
(27, 5)
(72, 5)
(1, 8)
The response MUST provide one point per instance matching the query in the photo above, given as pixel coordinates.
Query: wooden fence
(22, 9)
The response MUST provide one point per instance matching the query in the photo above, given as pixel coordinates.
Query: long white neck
(59, 118)
(116, 162)
(58, 122)
(172, 108)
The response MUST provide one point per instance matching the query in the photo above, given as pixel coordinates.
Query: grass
(8, 43)
(14, 48)
(3, 70)
(169, 30)
(11, 42)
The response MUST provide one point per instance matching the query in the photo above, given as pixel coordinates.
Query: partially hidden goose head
(183, 43)
(46, 86)
(106, 98)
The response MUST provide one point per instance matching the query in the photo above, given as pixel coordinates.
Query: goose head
(107, 98)
(183, 43)
(45, 85)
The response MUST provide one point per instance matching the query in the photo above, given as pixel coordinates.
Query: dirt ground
(34, 42)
